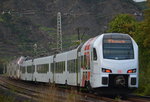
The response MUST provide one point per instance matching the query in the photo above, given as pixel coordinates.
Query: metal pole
(59, 32)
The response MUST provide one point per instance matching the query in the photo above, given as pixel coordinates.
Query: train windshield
(117, 47)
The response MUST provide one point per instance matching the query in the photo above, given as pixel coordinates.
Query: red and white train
(107, 63)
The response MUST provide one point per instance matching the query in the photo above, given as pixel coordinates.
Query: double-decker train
(107, 63)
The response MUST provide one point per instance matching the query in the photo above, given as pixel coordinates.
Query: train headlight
(131, 71)
(106, 70)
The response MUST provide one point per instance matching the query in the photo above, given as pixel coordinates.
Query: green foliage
(1, 19)
(69, 40)
(18, 26)
(146, 28)
(6, 99)
(19, 29)
(123, 23)
(47, 29)
(10, 99)
(72, 40)
(52, 34)
(143, 39)
(6, 17)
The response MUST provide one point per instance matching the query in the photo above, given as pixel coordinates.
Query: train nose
(120, 81)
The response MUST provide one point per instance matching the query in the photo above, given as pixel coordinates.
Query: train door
(84, 68)
(78, 68)
(53, 66)
(93, 62)
(85, 65)
(32, 69)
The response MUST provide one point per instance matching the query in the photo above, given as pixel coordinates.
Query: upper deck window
(117, 47)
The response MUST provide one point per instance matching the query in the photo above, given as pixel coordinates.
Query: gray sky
(139, 0)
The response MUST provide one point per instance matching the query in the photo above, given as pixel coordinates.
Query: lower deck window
(30, 69)
(72, 66)
(60, 67)
(22, 68)
(44, 68)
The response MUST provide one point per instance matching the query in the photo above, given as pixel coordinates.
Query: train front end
(116, 67)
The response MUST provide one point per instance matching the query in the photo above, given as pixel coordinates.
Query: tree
(143, 39)
(123, 23)
(146, 28)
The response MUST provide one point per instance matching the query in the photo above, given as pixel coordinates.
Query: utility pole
(84, 30)
(59, 33)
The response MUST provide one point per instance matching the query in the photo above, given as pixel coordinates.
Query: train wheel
(124, 96)
(78, 88)
(66, 85)
(49, 82)
(88, 87)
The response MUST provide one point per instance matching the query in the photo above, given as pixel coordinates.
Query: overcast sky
(139, 0)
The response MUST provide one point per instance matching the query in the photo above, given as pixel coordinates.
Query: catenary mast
(59, 33)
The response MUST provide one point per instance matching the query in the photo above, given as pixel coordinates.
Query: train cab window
(117, 47)
(94, 54)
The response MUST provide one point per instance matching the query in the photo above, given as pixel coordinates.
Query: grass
(9, 99)
(6, 98)
(49, 96)
(72, 97)
(55, 95)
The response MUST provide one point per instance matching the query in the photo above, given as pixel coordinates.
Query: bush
(147, 90)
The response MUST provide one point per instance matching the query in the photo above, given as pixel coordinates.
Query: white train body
(108, 60)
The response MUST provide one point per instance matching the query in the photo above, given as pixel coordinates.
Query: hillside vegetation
(24, 23)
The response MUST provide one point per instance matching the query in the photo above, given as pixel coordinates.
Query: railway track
(50, 93)
(134, 98)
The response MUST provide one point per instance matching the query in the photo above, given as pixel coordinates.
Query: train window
(82, 61)
(44, 68)
(30, 69)
(14, 72)
(64, 65)
(56, 68)
(22, 69)
(68, 66)
(117, 47)
(85, 61)
(71, 66)
(52, 67)
(76, 65)
(94, 54)
(60, 67)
